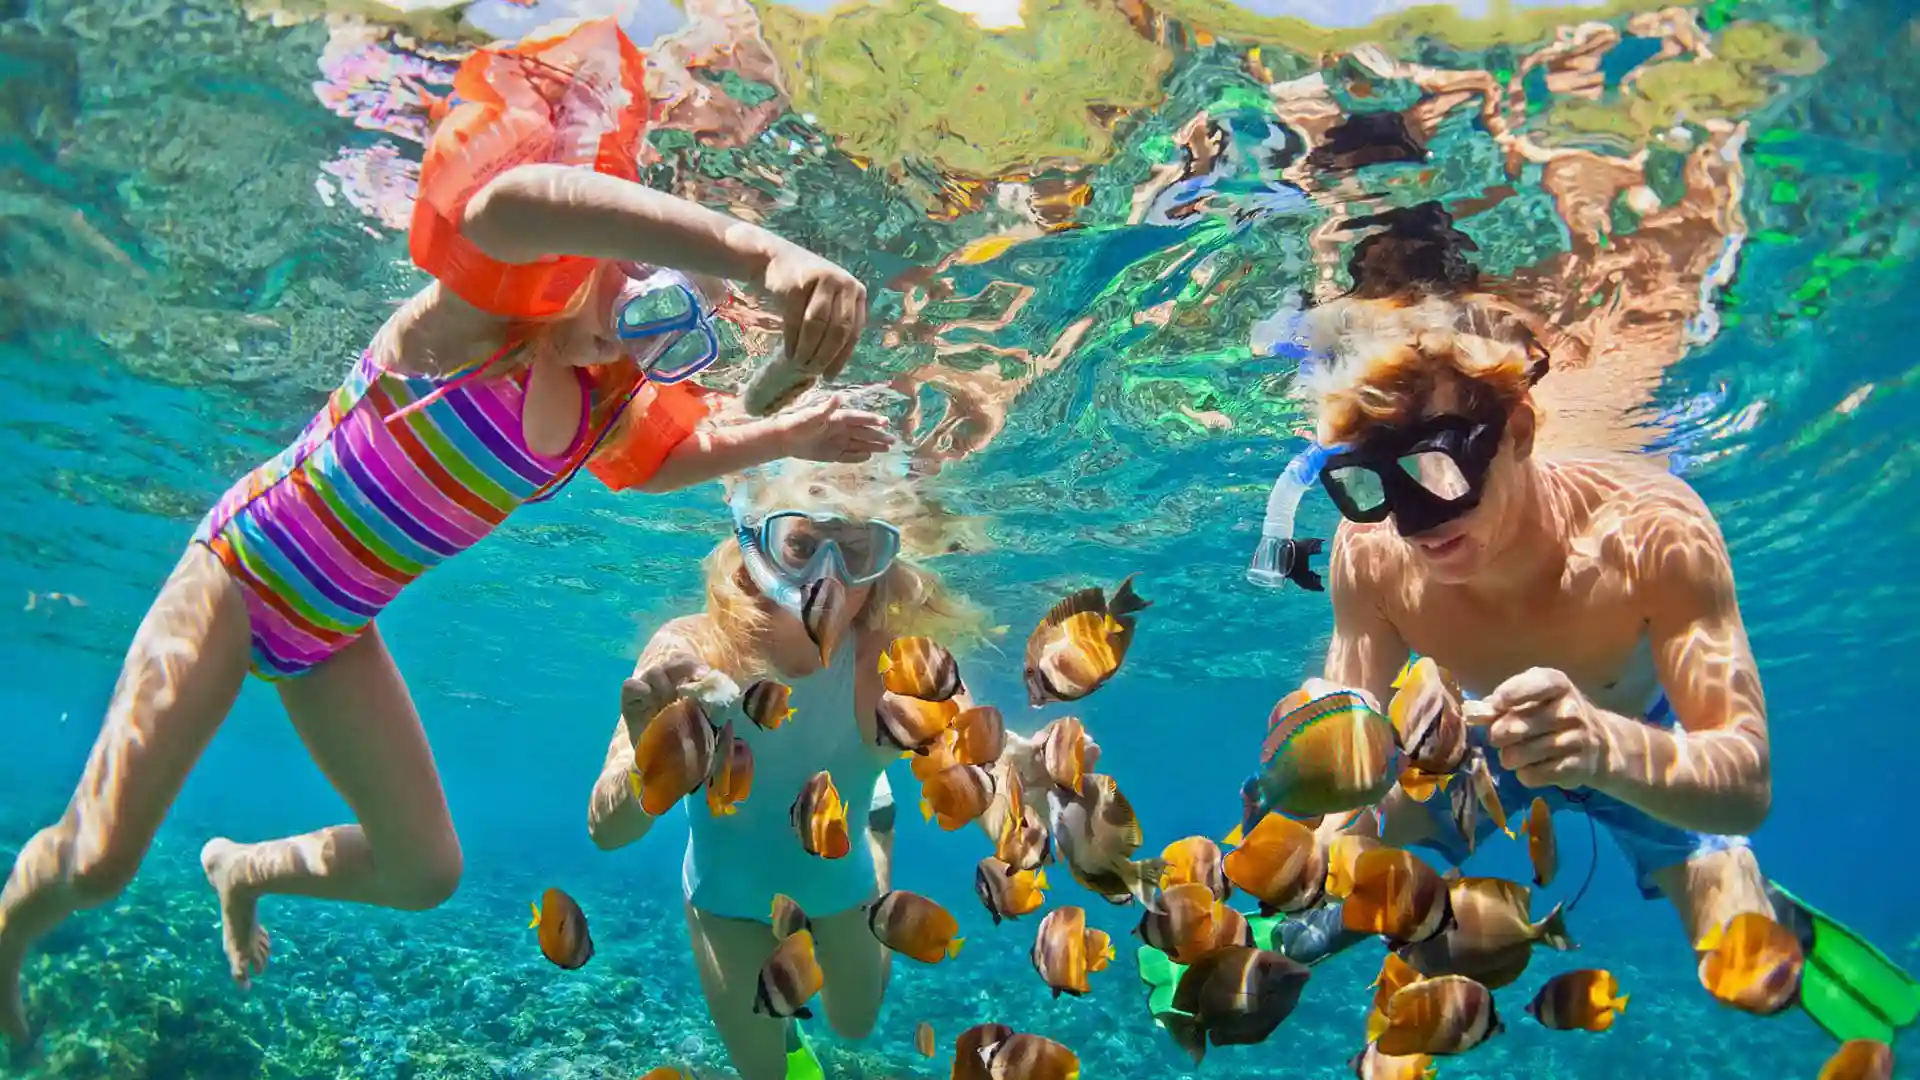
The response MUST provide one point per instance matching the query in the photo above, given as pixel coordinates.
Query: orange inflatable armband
(659, 418)
(579, 99)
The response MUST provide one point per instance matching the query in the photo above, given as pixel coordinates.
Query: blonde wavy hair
(1385, 358)
(908, 600)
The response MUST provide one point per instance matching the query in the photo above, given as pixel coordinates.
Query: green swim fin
(1162, 975)
(1849, 987)
(801, 1064)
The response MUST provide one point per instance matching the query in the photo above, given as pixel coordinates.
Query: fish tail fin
(926, 810)
(1553, 930)
(1235, 838)
(535, 921)
(953, 947)
(1710, 940)
(1299, 572)
(1187, 1034)
(886, 664)
(1112, 626)
(803, 1013)
(1620, 1003)
(1125, 600)
(1376, 1024)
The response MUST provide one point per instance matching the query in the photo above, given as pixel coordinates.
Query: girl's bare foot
(246, 943)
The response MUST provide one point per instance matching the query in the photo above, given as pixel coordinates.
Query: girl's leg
(358, 721)
(178, 682)
(855, 965)
(729, 954)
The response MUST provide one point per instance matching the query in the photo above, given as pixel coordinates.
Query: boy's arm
(1366, 651)
(1715, 774)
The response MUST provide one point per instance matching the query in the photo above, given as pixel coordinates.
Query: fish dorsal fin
(1119, 812)
(1086, 600)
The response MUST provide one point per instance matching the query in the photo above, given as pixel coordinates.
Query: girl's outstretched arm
(614, 816)
(534, 211)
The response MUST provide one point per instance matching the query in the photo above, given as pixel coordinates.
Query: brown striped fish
(968, 1061)
(732, 778)
(1448, 1015)
(1080, 644)
(789, 978)
(1007, 893)
(1585, 1000)
(819, 818)
(563, 930)
(768, 703)
(919, 667)
(914, 926)
(910, 724)
(1280, 864)
(823, 612)
(1233, 996)
(1194, 859)
(1064, 950)
(1029, 1057)
(673, 757)
(1396, 895)
(980, 735)
(956, 796)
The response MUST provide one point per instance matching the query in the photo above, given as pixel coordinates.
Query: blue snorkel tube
(1280, 556)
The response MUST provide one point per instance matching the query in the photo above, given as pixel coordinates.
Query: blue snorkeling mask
(786, 549)
(664, 325)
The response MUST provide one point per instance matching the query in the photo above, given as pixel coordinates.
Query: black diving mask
(1425, 474)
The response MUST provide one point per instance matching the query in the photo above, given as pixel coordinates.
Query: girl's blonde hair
(1383, 359)
(908, 600)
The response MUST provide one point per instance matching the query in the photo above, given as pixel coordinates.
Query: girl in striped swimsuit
(553, 339)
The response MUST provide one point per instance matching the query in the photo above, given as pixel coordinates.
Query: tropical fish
(1396, 895)
(914, 926)
(1233, 996)
(668, 1072)
(768, 703)
(789, 978)
(673, 757)
(956, 796)
(1194, 859)
(1324, 755)
(819, 817)
(937, 758)
(1280, 864)
(732, 778)
(968, 1062)
(1095, 835)
(1585, 1000)
(1427, 714)
(823, 610)
(1448, 1015)
(1029, 1057)
(1859, 1059)
(1421, 786)
(1007, 893)
(1371, 1064)
(1492, 934)
(1080, 644)
(923, 1039)
(1541, 847)
(1342, 854)
(980, 735)
(1066, 752)
(786, 918)
(910, 724)
(1064, 950)
(1230, 927)
(1752, 963)
(1395, 973)
(919, 667)
(1021, 841)
(1475, 794)
(563, 930)
(1181, 922)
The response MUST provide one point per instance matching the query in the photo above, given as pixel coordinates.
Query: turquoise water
(179, 295)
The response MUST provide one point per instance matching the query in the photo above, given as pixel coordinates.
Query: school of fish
(1452, 940)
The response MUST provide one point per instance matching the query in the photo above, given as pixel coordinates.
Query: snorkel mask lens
(665, 326)
(803, 546)
(1424, 476)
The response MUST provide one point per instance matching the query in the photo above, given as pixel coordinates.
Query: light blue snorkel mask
(1280, 556)
(786, 548)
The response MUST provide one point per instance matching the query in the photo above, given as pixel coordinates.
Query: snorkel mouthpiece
(1280, 557)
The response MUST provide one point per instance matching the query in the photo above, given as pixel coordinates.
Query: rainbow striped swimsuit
(325, 535)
